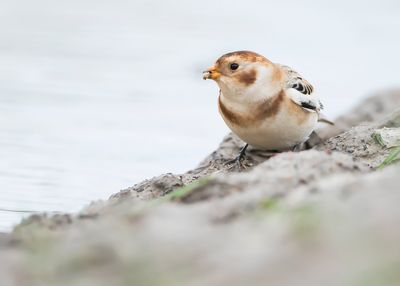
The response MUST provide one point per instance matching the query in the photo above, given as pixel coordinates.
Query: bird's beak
(211, 73)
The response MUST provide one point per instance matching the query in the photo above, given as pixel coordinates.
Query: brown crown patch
(244, 55)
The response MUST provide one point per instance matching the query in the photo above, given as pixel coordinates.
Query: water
(98, 95)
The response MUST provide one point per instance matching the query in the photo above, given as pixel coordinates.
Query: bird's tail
(322, 118)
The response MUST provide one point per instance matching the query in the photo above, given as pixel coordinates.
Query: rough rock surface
(316, 217)
(360, 142)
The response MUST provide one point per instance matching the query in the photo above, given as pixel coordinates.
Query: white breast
(290, 126)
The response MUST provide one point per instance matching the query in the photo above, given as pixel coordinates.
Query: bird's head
(243, 73)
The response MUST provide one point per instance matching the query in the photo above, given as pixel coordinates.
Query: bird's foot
(298, 147)
(237, 162)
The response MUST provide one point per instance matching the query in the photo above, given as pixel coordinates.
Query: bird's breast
(253, 114)
(275, 124)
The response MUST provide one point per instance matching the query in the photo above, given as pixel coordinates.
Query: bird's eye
(234, 66)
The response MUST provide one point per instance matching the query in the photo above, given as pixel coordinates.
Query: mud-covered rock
(372, 109)
(278, 175)
(365, 143)
(345, 222)
(153, 188)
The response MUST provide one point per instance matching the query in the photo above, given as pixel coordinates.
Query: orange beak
(211, 73)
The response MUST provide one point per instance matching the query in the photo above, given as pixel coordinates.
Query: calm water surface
(98, 95)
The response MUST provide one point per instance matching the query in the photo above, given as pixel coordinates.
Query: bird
(268, 105)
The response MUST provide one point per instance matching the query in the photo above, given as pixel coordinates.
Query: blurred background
(98, 95)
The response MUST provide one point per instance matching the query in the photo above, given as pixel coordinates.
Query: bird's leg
(242, 152)
(297, 147)
(239, 158)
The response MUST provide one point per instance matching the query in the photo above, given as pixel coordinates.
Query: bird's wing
(302, 92)
(296, 81)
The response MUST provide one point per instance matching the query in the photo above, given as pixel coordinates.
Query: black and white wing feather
(302, 92)
(296, 81)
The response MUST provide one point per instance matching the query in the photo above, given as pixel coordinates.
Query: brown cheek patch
(261, 112)
(247, 78)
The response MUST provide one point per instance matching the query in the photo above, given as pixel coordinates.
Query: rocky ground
(325, 216)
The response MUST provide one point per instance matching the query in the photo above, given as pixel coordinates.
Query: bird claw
(236, 163)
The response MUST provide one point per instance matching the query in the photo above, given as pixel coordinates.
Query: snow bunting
(267, 105)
